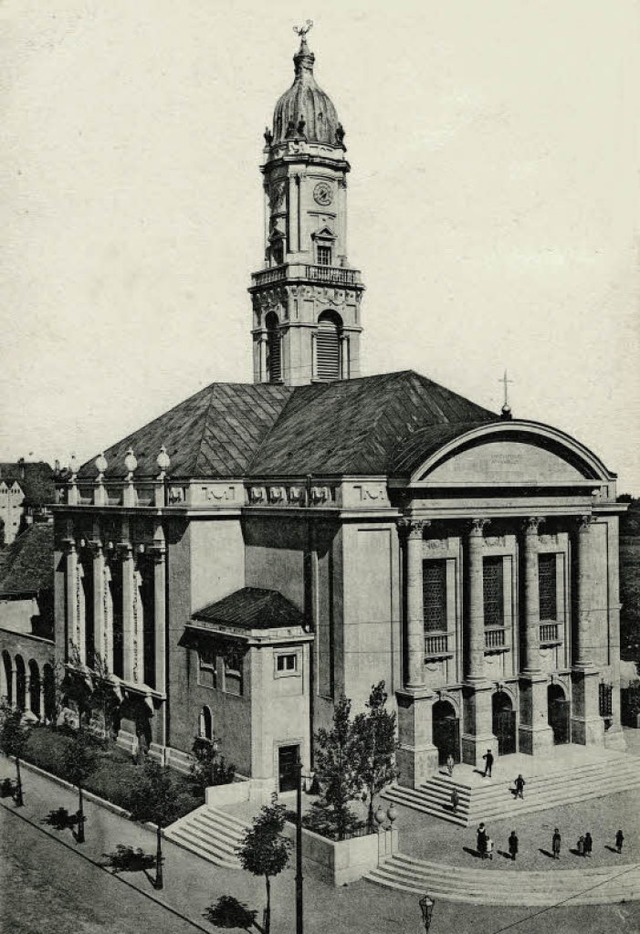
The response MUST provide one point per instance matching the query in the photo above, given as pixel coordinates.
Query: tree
(102, 698)
(375, 734)
(79, 761)
(14, 733)
(264, 851)
(209, 768)
(154, 798)
(337, 762)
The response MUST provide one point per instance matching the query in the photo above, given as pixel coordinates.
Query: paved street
(49, 886)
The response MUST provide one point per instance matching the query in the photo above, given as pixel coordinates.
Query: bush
(115, 775)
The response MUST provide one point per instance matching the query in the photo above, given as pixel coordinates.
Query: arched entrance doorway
(446, 731)
(503, 723)
(559, 714)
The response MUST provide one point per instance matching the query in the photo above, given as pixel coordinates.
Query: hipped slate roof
(252, 608)
(27, 563)
(379, 425)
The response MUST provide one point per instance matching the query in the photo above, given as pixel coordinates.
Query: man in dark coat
(619, 841)
(513, 845)
(482, 840)
(555, 843)
(588, 844)
(488, 757)
(520, 783)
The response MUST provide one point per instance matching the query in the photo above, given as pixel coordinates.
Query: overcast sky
(493, 204)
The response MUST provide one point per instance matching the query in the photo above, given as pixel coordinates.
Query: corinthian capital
(585, 523)
(413, 528)
(477, 526)
(531, 524)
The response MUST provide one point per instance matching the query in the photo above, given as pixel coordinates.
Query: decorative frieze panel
(217, 494)
(373, 494)
(295, 495)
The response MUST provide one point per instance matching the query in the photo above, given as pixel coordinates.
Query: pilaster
(416, 757)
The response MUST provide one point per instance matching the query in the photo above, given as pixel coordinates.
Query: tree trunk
(18, 798)
(370, 816)
(267, 916)
(80, 834)
(159, 883)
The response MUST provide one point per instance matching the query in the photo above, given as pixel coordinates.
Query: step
(211, 833)
(507, 888)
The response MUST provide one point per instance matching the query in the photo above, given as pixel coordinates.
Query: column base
(416, 764)
(416, 757)
(614, 739)
(474, 747)
(587, 732)
(535, 741)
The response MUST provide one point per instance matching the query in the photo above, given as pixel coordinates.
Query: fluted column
(128, 585)
(160, 611)
(531, 661)
(71, 595)
(475, 654)
(581, 647)
(99, 632)
(415, 601)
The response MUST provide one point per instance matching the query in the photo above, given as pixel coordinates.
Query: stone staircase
(509, 888)
(211, 833)
(485, 799)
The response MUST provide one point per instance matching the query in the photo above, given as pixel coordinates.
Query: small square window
(286, 662)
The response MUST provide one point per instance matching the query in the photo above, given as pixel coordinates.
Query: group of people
(484, 845)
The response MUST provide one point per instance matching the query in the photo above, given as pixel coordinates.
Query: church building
(258, 551)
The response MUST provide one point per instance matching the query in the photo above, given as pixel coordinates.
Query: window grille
(324, 256)
(547, 586)
(606, 699)
(274, 368)
(493, 586)
(286, 662)
(434, 590)
(328, 350)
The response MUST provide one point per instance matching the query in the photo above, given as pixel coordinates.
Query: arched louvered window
(274, 366)
(328, 346)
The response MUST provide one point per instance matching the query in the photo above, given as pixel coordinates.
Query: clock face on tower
(323, 193)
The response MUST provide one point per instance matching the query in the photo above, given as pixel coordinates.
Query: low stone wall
(341, 862)
(220, 796)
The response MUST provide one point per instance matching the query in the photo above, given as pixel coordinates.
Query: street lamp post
(299, 919)
(426, 907)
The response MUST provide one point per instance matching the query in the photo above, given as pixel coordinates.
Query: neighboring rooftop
(373, 425)
(35, 479)
(26, 565)
(252, 608)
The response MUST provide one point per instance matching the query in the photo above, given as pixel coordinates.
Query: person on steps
(588, 844)
(481, 845)
(556, 840)
(488, 757)
(513, 845)
(520, 783)
(580, 845)
(489, 848)
(455, 800)
(450, 764)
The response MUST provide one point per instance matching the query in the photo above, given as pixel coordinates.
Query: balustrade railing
(332, 275)
(437, 644)
(549, 632)
(494, 638)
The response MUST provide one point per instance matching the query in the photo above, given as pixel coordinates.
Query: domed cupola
(305, 111)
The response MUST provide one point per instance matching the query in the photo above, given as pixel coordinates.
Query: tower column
(478, 735)
(415, 602)
(535, 735)
(587, 726)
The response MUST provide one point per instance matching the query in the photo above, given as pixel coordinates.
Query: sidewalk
(192, 884)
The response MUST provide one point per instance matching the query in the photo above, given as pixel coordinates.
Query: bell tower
(306, 298)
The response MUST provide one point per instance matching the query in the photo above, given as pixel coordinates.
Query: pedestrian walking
(588, 844)
(556, 840)
(619, 841)
(520, 783)
(580, 846)
(488, 757)
(489, 848)
(455, 800)
(513, 845)
(450, 764)
(481, 845)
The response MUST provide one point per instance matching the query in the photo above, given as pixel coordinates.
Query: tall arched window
(34, 688)
(205, 728)
(7, 691)
(274, 367)
(21, 683)
(328, 346)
